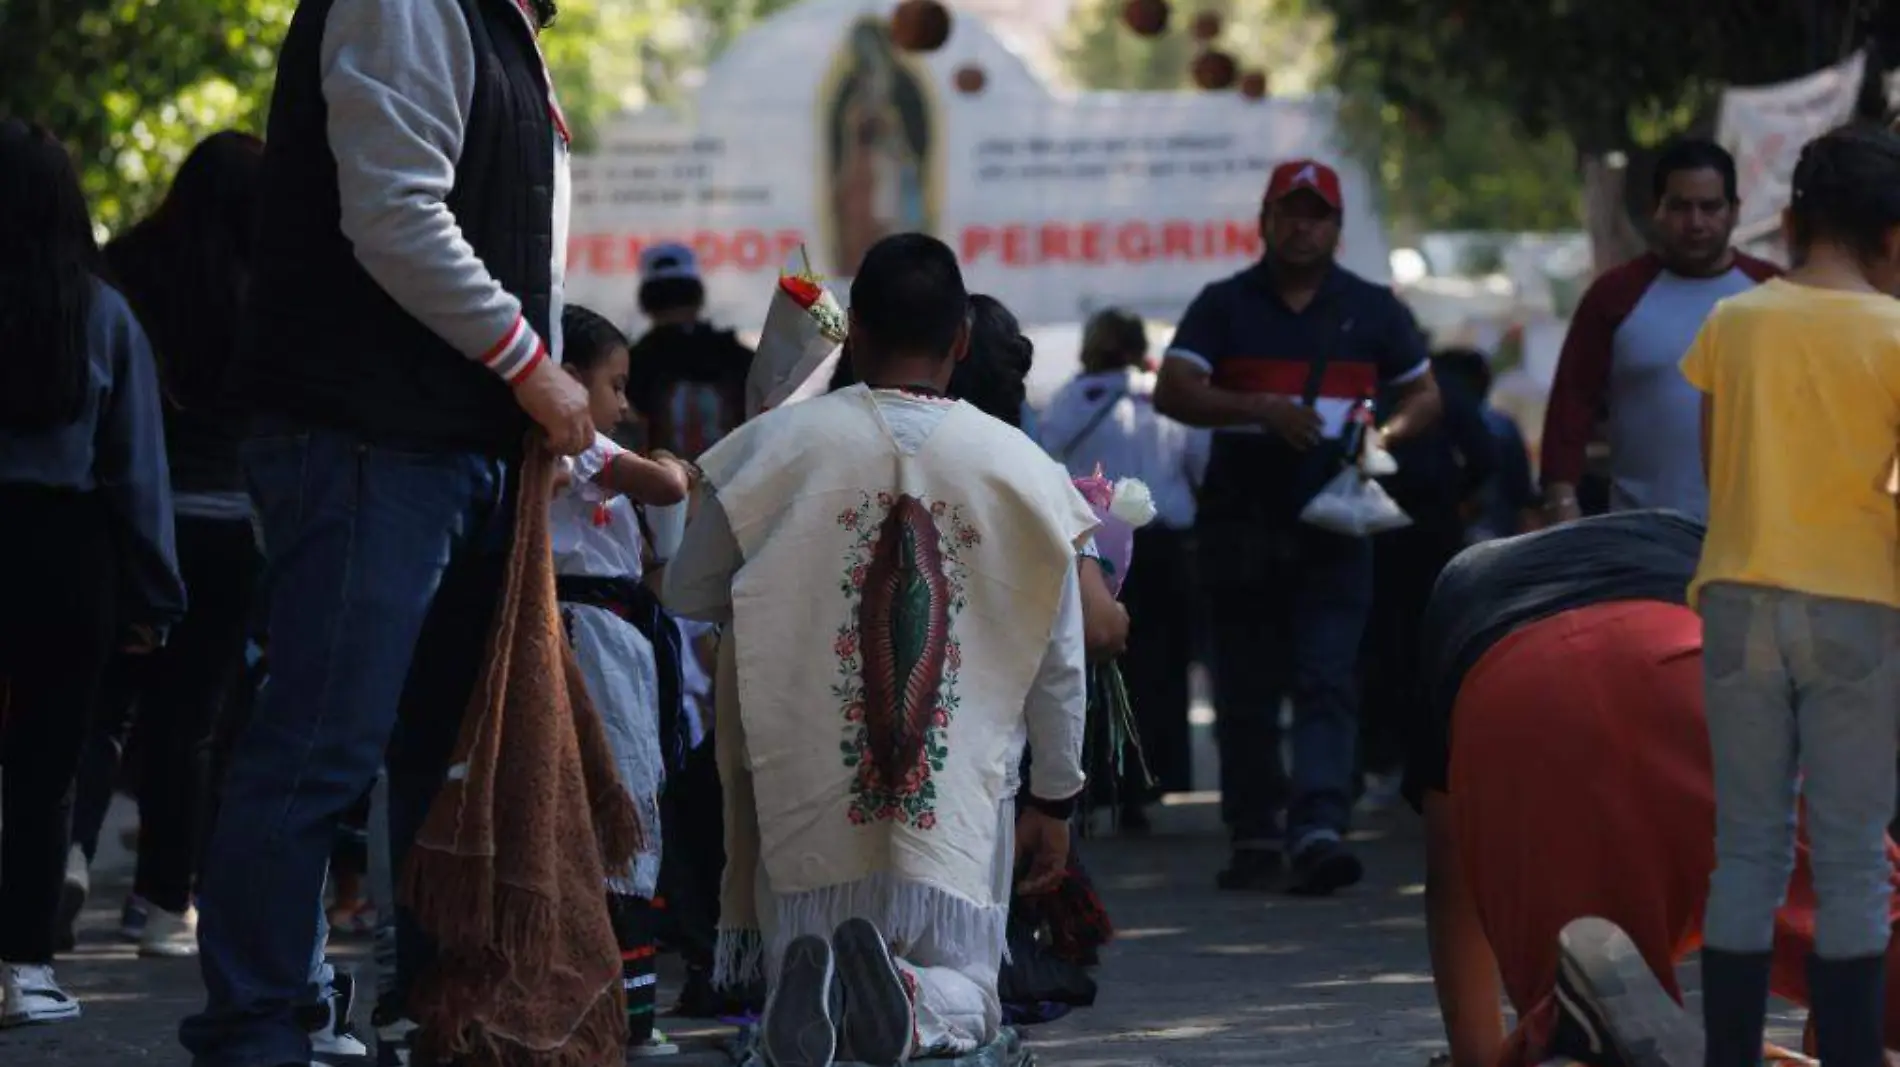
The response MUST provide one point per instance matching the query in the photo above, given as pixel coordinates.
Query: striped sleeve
(399, 79)
(1201, 337)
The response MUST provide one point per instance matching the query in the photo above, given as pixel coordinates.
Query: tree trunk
(1614, 237)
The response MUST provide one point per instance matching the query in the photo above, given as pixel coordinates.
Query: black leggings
(1162, 614)
(169, 705)
(58, 583)
(633, 921)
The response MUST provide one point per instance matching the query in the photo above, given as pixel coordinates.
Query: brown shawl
(529, 974)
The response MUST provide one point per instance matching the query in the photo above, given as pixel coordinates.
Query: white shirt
(595, 533)
(699, 586)
(1132, 440)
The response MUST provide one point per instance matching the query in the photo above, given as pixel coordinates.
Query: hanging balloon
(970, 79)
(1207, 26)
(1214, 70)
(1253, 84)
(920, 25)
(1149, 18)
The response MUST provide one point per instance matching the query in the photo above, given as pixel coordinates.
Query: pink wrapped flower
(1120, 507)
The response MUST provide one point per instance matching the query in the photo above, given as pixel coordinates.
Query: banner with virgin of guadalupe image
(815, 130)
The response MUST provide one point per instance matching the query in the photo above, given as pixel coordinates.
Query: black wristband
(1055, 809)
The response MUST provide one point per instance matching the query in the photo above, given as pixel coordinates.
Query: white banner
(1766, 126)
(813, 129)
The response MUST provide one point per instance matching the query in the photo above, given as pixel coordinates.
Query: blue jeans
(384, 567)
(1802, 697)
(1288, 608)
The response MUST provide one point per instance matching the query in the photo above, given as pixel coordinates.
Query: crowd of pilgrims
(133, 644)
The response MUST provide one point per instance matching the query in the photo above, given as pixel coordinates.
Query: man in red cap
(1273, 360)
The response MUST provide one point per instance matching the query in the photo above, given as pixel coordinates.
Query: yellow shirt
(1805, 385)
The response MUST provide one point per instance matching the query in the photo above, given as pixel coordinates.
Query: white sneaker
(333, 1041)
(32, 996)
(656, 1045)
(170, 935)
(1383, 793)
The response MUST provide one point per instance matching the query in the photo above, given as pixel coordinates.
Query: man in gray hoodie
(402, 341)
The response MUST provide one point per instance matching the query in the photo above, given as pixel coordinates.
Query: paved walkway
(1197, 977)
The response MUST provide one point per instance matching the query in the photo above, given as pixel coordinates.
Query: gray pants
(1803, 698)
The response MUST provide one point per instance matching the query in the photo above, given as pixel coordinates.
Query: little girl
(1800, 600)
(628, 650)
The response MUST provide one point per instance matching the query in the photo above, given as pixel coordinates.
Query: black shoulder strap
(1323, 356)
(646, 531)
(1062, 454)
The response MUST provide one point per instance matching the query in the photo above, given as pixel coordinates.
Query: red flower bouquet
(798, 348)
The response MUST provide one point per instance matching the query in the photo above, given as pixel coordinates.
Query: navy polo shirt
(1248, 340)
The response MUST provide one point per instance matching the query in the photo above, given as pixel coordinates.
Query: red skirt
(1580, 785)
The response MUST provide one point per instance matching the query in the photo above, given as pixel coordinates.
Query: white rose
(1132, 503)
(830, 317)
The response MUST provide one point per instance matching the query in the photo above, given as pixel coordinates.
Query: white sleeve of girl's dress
(589, 464)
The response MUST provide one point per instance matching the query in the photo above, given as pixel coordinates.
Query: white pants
(952, 987)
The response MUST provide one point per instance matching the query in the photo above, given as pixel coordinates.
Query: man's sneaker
(880, 1022)
(32, 996)
(656, 1044)
(170, 934)
(333, 1039)
(1383, 793)
(394, 1032)
(1611, 1009)
(699, 999)
(72, 897)
(133, 916)
(1322, 868)
(1256, 870)
(801, 1019)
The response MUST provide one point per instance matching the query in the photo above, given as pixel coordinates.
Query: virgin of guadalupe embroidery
(898, 655)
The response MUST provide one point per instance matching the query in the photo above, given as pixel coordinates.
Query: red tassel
(602, 517)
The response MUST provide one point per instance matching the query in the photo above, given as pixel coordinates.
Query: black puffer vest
(324, 343)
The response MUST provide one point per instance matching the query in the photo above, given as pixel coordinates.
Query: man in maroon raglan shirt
(1630, 332)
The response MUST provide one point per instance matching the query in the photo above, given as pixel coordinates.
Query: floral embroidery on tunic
(898, 656)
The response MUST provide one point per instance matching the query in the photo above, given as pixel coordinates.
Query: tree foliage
(1279, 37)
(131, 85)
(1470, 172)
(1609, 74)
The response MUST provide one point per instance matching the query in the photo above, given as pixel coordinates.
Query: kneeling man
(1564, 774)
(899, 572)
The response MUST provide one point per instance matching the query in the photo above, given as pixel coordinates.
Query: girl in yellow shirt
(1799, 591)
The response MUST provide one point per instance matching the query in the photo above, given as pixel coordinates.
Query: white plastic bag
(1354, 505)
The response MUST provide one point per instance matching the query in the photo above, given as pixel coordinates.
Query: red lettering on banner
(1242, 240)
(1105, 243)
(1177, 240)
(974, 243)
(1092, 251)
(739, 250)
(1013, 244)
(1132, 244)
(1054, 242)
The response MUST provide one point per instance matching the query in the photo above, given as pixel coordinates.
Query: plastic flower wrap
(804, 331)
(1111, 745)
(1121, 507)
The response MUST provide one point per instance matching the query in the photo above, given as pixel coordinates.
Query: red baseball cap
(1308, 174)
